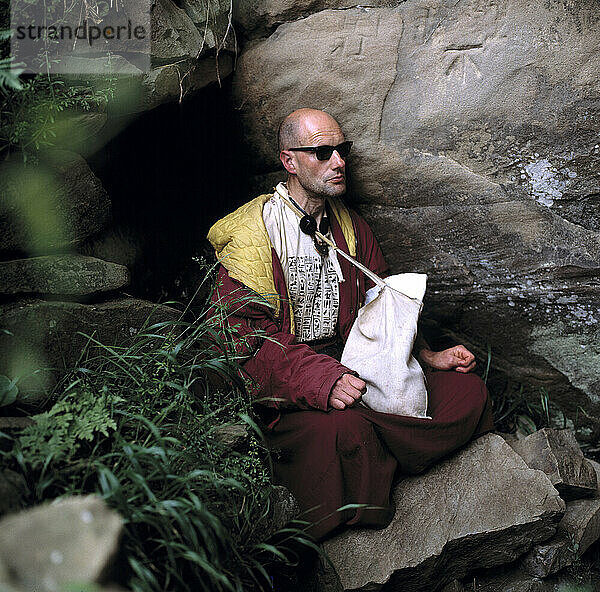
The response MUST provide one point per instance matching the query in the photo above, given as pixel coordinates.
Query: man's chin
(336, 189)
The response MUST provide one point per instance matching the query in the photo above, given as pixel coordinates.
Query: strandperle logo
(81, 36)
(90, 33)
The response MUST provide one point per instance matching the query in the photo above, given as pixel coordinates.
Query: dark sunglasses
(324, 152)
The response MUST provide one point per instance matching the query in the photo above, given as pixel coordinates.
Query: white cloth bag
(380, 343)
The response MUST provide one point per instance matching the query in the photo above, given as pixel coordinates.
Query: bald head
(301, 125)
(309, 178)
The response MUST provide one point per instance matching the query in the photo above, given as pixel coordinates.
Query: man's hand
(346, 391)
(457, 358)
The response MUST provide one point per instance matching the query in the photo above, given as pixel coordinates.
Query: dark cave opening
(170, 174)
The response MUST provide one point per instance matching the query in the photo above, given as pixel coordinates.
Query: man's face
(321, 178)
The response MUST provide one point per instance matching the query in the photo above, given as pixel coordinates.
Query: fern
(58, 433)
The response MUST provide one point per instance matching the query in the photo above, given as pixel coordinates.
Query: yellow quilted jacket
(243, 246)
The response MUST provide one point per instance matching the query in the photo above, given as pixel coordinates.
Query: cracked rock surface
(577, 531)
(69, 274)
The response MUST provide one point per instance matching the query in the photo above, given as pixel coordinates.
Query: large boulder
(40, 340)
(186, 45)
(74, 275)
(481, 508)
(72, 541)
(192, 46)
(476, 151)
(172, 83)
(174, 35)
(51, 206)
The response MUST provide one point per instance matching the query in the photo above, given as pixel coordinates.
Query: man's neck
(311, 204)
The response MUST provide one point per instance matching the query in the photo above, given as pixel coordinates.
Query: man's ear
(287, 159)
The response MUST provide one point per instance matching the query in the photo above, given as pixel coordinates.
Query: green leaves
(42, 111)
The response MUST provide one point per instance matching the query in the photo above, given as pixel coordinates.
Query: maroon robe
(330, 458)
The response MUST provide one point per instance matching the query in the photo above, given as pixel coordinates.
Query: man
(328, 450)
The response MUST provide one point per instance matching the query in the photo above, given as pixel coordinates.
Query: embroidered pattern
(314, 291)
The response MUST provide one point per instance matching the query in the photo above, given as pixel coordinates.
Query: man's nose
(337, 161)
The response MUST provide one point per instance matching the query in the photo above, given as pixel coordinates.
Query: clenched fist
(346, 391)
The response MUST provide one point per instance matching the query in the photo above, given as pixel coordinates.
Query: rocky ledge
(485, 507)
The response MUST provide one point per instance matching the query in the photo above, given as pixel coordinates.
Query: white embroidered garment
(312, 279)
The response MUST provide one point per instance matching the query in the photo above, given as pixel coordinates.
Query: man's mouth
(337, 178)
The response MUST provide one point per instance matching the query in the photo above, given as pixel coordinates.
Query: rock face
(50, 207)
(62, 275)
(234, 436)
(481, 508)
(189, 44)
(73, 540)
(578, 529)
(47, 337)
(557, 453)
(192, 45)
(475, 158)
(283, 508)
(259, 19)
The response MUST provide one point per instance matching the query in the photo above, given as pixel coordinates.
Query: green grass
(518, 407)
(138, 425)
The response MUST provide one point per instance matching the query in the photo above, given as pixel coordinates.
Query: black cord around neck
(308, 223)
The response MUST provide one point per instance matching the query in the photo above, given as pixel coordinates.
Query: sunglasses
(324, 152)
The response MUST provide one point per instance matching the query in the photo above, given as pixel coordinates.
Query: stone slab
(480, 508)
(73, 275)
(42, 339)
(557, 453)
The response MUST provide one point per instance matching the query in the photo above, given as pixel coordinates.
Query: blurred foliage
(35, 109)
(43, 109)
